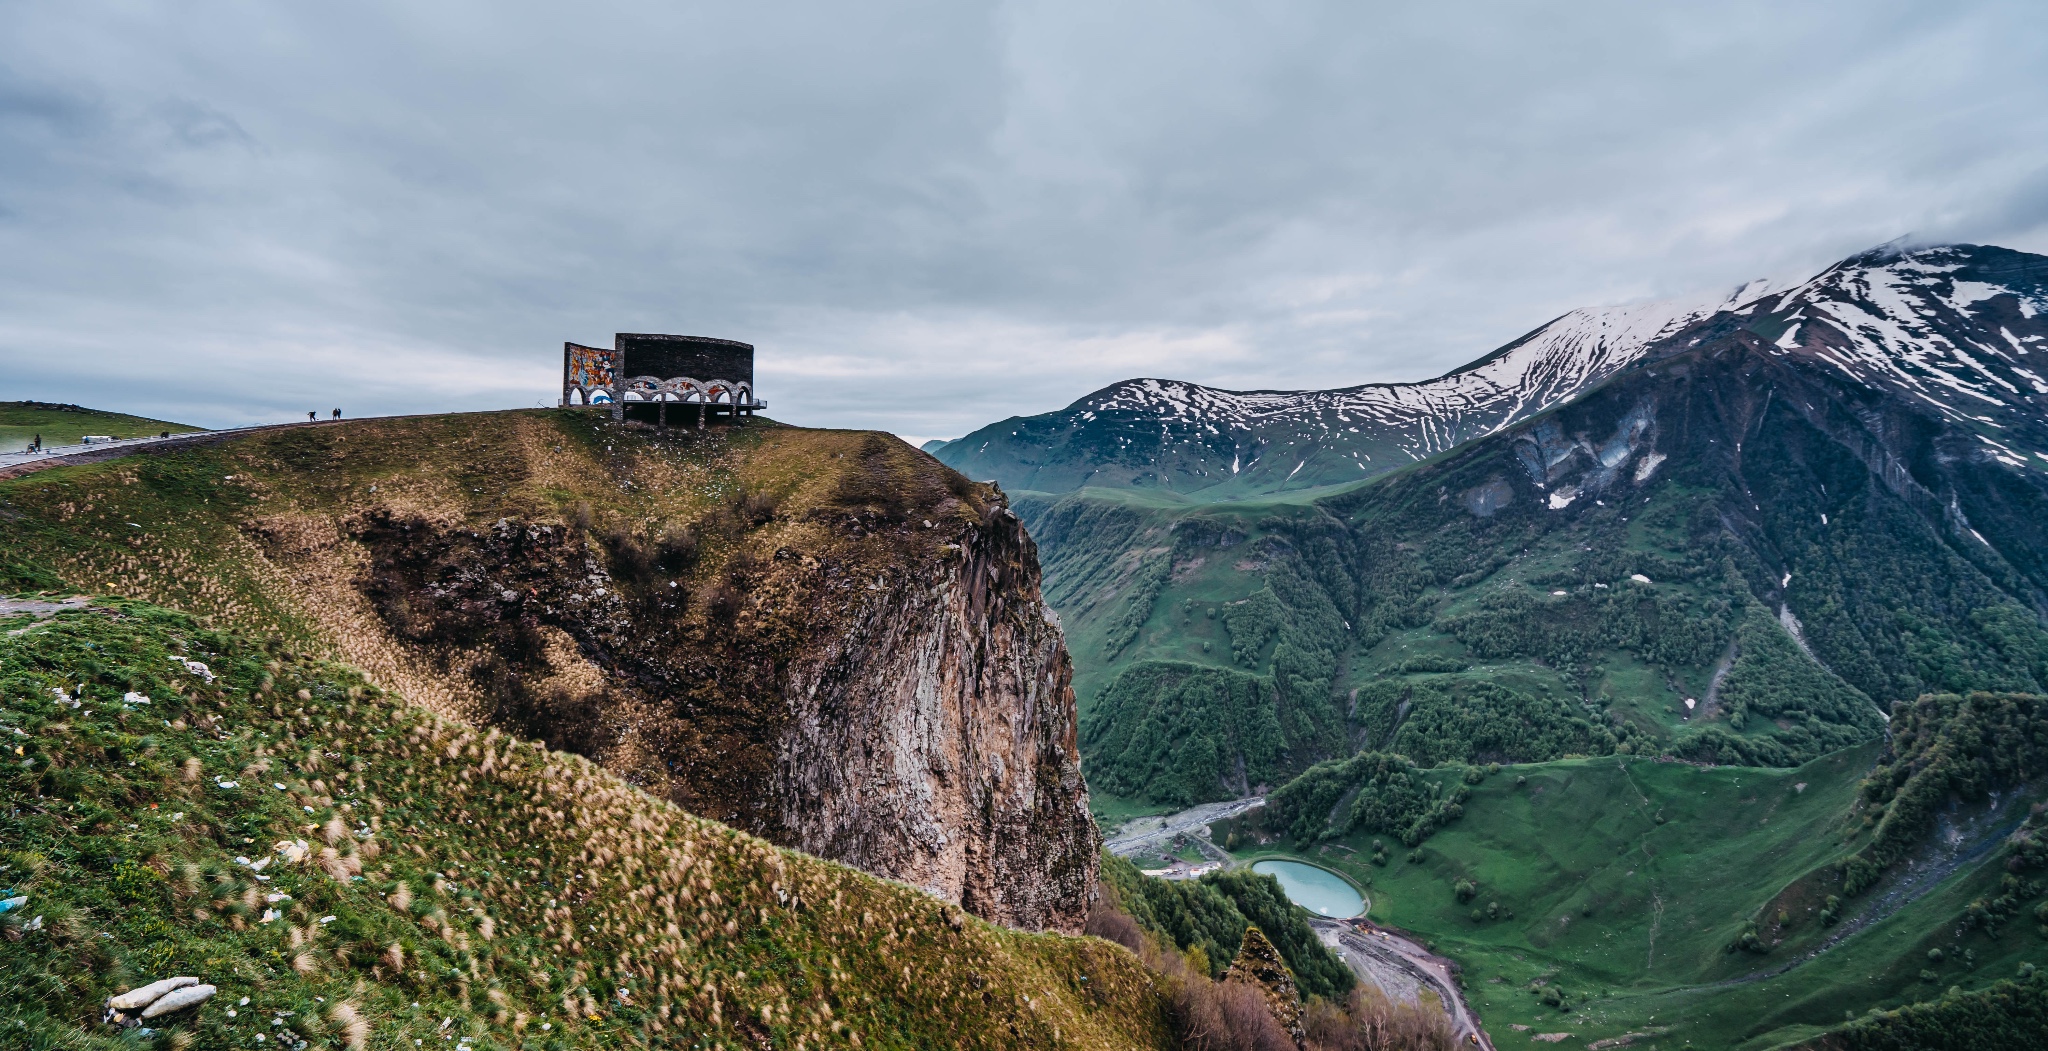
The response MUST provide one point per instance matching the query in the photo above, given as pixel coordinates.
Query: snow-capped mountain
(1955, 327)
(1960, 331)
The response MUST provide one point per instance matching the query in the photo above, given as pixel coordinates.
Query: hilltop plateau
(214, 795)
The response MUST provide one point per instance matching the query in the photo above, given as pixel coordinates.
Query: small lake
(1317, 890)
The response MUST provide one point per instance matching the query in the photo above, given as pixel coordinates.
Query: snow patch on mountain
(1551, 364)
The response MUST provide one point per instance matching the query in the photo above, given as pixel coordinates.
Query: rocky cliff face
(825, 638)
(934, 739)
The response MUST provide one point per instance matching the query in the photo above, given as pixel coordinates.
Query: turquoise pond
(1321, 892)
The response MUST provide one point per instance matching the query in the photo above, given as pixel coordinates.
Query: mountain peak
(1951, 325)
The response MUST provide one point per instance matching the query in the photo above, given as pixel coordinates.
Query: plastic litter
(195, 668)
(131, 697)
(146, 995)
(11, 904)
(63, 698)
(190, 996)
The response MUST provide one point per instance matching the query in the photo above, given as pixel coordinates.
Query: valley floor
(1405, 971)
(1623, 884)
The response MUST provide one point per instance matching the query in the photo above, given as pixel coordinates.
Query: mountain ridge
(1910, 319)
(1548, 364)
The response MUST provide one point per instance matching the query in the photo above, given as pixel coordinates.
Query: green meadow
(1602, 897)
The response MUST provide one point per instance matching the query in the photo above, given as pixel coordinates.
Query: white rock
(146, 995)
(189, 996)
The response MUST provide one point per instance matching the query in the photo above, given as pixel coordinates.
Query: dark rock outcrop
(1260, 965)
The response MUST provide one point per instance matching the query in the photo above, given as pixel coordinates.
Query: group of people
(314, 415)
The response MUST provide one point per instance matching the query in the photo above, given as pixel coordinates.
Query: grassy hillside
(628, 595)
(21, 421)
(354, 871)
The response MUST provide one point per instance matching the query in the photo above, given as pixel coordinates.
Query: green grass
(21, 421)
(454, 883)
(1667, 898)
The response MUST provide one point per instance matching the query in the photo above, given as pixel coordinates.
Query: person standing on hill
(337, 414)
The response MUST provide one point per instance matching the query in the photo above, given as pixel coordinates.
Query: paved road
(19, 463)
(1154, 835)
(16, 464)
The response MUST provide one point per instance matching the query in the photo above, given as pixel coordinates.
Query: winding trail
(1401, 968)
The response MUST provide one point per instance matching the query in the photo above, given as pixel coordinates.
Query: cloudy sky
(931, 216)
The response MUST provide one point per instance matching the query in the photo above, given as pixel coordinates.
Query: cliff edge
(823, 637)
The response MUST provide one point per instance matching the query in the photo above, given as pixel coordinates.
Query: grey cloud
(933, 215)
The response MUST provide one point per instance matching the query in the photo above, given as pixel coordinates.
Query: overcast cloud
(931, 216)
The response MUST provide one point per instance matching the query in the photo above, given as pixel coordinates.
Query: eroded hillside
(825, 638)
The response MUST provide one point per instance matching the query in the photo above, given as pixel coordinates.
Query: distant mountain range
(1836, 491)
(1957, 328)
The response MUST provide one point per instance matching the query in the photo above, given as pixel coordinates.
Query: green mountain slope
(1731, 553)
(352, 871)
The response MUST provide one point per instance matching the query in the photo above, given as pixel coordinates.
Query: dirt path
(1711, 703)
(1402, 969)
(1397, 965)
(1154, 835)
(1649, 868)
